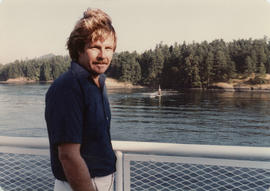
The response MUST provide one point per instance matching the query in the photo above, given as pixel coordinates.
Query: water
(190, 117)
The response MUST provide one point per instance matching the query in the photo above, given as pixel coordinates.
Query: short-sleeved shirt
(77, 111)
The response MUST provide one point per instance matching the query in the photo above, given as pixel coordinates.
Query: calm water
(193, 117)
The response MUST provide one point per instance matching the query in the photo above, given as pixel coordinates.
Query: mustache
(101, 62)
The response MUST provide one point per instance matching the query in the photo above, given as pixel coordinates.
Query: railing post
(119, 171)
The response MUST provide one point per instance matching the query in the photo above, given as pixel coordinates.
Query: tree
(45, 72)
(261, 69)
(30, 72)
(262, 58)
(196, 79)
(207, 69)
(15, 71)
(128, 67)
(155, 68)
(267, 65)
(146, 60)
(249, 66)
(220, 66)
(171, 74)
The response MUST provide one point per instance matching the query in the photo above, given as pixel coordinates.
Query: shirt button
(107, 118)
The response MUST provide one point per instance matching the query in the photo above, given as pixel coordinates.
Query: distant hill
(46, 56)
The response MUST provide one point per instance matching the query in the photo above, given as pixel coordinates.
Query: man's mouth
(100, 63)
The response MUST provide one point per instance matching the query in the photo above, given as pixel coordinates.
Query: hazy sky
(32, 28)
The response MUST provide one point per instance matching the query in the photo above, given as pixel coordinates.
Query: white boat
(157, 93)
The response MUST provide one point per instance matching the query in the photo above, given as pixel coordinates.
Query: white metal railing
(207, 155)
(166, 166)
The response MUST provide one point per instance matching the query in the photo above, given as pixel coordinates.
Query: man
(77, 109)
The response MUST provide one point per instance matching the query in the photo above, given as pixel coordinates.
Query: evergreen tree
(261, 69)
(129, 68)
(196, 79)
(207, 70)
(253, 56)
(45, 72)
(220, 66)
(146, 60)
(249, 66)
(267, 65)
(156, 67)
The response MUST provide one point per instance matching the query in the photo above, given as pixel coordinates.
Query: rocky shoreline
(19, 80)
(236, 84)
(110, 82)
(242, 85)
(113, 83)
(240, 88)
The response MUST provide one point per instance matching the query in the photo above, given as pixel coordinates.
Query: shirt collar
(102, 78)
(81, 72)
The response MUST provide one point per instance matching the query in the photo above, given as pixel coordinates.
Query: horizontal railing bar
(215, 151)
(28, 142)
(198, 161)
(24, 150)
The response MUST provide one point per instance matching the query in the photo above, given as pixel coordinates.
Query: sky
(32, 28)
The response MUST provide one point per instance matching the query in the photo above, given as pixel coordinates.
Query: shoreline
(110, 82)
(241, 85)
(20, 80)
(113, 83)
(234, 86)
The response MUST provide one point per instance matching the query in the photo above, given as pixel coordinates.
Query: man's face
(97, 56)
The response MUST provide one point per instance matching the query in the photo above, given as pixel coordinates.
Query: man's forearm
(75, 168)
(77, 173)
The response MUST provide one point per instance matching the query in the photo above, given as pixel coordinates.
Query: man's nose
(101, 54)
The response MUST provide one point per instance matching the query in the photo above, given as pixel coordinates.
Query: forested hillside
(193, 65)
(41, 69)
(178, 66)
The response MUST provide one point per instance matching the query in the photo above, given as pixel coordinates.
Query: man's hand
(74, 167)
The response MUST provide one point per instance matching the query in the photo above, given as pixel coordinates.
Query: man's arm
(74, 167)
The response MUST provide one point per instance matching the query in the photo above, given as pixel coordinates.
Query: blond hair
(94, 25)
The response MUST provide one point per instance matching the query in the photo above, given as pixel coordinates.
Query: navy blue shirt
(77, 111)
